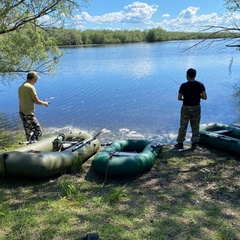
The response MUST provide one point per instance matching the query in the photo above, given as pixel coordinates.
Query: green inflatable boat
(126, 158)
(49, 156)
(223, 137)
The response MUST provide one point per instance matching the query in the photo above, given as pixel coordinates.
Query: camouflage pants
(192, 114)
(31, 126)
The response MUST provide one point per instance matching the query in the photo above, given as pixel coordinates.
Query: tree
(229, 32)
(233, 7)
(25, 43)
(157, 34)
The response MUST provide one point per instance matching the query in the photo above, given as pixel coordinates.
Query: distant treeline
(75, 37)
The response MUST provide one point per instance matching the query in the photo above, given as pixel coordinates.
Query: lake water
(130, 90)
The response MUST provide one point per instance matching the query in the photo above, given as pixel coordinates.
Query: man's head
(191, 73)
(32, 75)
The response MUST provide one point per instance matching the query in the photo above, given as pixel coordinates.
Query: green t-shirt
(26, 92)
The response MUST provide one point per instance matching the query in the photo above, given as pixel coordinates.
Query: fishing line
(175, 81)
(166, 91)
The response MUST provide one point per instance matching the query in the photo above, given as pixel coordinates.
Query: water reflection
(130, 90)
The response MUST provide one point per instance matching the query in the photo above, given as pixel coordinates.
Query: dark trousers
(31, 126)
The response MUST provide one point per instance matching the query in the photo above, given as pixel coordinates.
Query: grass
(186, 195)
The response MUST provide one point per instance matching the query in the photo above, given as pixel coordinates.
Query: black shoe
(194, 146)
(179, 145)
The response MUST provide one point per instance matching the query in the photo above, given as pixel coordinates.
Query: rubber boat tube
(126, 158)
(220, 136)
(49, 156)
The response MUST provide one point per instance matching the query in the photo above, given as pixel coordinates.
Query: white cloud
(188, 13)
(137, 12)
(166, 15)
(189, 20)
(139, 15)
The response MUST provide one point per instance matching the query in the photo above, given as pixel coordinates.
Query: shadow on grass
(188, 194)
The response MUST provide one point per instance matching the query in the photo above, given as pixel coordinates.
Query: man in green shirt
(27, 95)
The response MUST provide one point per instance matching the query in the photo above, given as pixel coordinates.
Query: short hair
(32, 74)
(191, 73)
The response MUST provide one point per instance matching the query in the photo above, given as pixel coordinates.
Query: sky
(170, 15)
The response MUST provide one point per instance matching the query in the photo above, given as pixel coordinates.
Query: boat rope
(105, 178)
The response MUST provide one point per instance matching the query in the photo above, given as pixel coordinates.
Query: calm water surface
(131, 90)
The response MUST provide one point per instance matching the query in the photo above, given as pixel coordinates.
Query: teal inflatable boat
(223, 137)
(49, 156)
(126, 158)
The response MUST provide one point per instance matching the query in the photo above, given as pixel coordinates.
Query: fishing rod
(47, 99)
(88, 141)
(78, 144)
(175, 81)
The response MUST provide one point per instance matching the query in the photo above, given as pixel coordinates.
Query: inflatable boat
(126, 158)
(49, 156)
(223, 137)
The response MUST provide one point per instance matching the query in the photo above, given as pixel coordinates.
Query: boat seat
(70, 142)
(127, 154)
(222, 131)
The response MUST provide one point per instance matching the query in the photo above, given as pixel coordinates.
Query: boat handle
(227, 138)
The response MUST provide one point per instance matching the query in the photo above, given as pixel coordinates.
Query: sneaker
(194, 145)
(179, 145)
